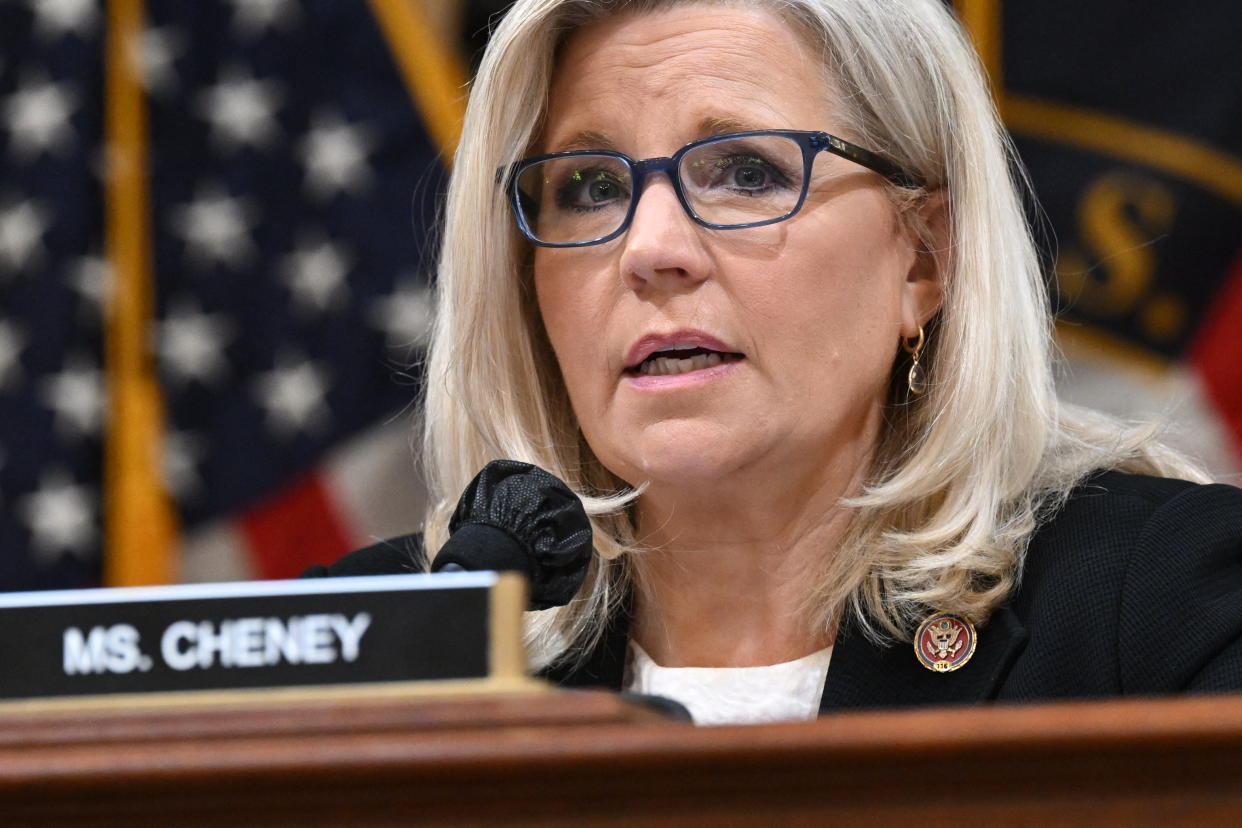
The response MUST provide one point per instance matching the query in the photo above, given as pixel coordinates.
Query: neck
(732, 567)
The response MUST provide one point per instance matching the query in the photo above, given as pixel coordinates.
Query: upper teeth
(659, 366)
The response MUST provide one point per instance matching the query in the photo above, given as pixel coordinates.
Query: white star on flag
(253, 17)
(405, 315)
(216, 228)
(91, 278)
(334, 153)
(12, 341)
(22, 226)
(60, 516)
(292, 395)
(315, 273)
(37, 116)
(54, 18)
(183, 451)
(156, 54)
(76, 397)
(241, 110)
(191, 344)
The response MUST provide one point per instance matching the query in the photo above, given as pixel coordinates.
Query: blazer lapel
(863, 675)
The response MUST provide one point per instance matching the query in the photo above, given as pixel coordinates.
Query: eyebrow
(585, 140)
(708, 127)
(712, 126)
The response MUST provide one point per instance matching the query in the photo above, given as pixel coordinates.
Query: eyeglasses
(727, 182)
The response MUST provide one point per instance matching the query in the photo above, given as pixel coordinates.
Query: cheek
(827, 294)
(557, 304)
(833, 310)
(569, 310)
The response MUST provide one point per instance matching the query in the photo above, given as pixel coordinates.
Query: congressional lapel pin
(945, 642)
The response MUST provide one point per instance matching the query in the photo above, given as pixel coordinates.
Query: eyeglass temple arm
(830, 143)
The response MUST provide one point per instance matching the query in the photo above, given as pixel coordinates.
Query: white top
(735, 695)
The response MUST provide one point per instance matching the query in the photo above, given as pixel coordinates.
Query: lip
(676, 382)
(649, 344)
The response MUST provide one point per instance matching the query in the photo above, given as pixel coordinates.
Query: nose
(663, 247)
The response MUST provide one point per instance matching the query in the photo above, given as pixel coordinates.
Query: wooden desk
(561, 758)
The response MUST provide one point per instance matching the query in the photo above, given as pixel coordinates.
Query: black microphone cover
(516, 516)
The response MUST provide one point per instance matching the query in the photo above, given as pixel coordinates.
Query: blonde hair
(947, 514)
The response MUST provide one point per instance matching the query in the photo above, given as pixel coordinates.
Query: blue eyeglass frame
(811, 142)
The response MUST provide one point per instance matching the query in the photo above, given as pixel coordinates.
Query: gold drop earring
(916, 380)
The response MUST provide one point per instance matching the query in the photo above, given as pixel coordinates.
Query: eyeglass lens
(730, 182)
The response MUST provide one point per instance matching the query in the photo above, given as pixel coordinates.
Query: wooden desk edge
(569, 751)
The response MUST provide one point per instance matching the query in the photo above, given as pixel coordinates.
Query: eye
(602, 189)
(745, 172)
(749, 173)
(591, 189)
(738, 171)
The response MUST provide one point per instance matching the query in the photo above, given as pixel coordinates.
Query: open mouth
(681, 361)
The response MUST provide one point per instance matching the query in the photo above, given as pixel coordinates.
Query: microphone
(517, 517)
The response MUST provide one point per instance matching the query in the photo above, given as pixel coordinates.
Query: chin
(678, 452)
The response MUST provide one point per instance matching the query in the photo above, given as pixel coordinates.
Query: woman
(799, 374)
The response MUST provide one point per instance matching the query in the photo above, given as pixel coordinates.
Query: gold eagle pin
(944, 642)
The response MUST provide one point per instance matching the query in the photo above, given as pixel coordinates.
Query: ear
(929, 228)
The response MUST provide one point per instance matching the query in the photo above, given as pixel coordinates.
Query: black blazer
(1133, 588)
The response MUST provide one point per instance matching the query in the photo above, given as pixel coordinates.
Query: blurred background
(217, 225)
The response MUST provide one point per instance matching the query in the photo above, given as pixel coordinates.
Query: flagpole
(432, 72)
(140, 529)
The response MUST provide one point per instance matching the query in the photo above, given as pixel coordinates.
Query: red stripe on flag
(297, 527)
(1217, 354)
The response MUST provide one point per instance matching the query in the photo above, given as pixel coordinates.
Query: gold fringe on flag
(140, 530)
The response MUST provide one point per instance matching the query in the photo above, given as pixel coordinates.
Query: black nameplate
(367, 630)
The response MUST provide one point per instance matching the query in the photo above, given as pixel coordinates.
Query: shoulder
(1138, 581)
(1107, 490)
(1119, 509)
(395, 556)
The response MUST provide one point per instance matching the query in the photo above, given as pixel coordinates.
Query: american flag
(292, 182)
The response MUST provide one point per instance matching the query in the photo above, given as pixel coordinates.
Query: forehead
(645, 79)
